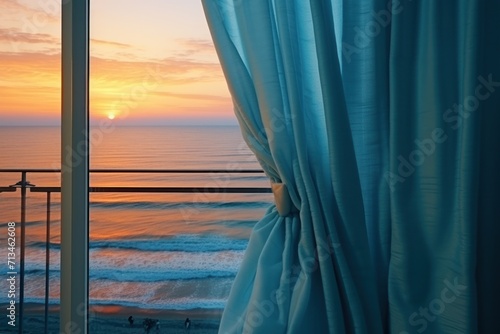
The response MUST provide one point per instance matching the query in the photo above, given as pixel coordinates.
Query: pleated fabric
(444, 100)
(380, 119)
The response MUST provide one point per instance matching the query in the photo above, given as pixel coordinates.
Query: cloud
(204, 97)
(30, 17)
(20, 68)
(31, 81)
(171, 70)
(100, 42)
(27, 28)
(14, 35)
(198, 45)
(14, 6)
(194, 47)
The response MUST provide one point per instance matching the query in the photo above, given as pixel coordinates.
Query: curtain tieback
(284, 203)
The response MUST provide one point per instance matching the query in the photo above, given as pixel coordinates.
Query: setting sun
(162, 70)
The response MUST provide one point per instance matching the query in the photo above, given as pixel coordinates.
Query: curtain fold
(369, 114)
(438, 72)
(308, 271)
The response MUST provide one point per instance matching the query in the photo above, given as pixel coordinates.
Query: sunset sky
(152, 63)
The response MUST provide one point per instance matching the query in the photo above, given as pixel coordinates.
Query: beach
(157, 256)
(114, 319)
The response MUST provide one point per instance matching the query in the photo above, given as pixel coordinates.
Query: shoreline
(114, 319)
(113, 310)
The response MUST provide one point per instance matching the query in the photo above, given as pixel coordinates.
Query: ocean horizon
(168, 252)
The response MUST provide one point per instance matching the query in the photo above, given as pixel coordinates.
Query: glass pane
(159, 101)
(30, 51)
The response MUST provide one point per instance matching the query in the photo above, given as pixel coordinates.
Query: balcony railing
(24, 185)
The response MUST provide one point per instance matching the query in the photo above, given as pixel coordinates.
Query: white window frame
(74, 279)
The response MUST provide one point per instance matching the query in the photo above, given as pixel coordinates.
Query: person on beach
(148, 324)
(131, 321)
(187, 325)
(157, 326)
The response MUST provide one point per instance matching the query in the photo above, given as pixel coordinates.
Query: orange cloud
(31, 84)
(129, 74)
(195, 46)
(94, 41)
(153, 87)
(203, 97)
(15, 35)
(15, 7)
(30, 18)
(13, 40)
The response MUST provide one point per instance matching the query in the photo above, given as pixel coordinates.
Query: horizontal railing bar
(131, 171)
(235, 190)
(29, 170)
(7, 189)
(177, 171)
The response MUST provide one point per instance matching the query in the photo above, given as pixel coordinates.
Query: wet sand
(114, 319)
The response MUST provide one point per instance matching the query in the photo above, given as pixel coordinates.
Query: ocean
(148, 251)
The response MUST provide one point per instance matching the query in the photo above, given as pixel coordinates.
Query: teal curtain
(377, 124)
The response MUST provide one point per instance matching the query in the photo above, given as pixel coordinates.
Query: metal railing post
(23, 245)
(78, 315)
(47, 264)
(23, 184)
